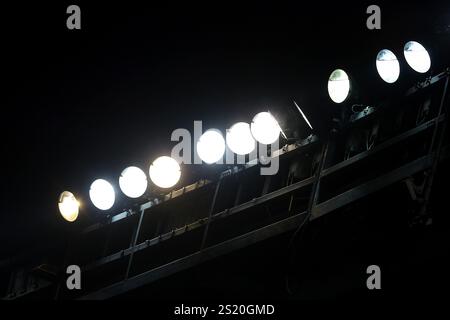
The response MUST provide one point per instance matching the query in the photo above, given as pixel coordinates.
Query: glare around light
(165, 172)
(388, 66)
(265, 128)
(102, 194)
(417, 56)
(338, 85)
(211, 146)
(68, 206)
(240, 139)
(133, 182)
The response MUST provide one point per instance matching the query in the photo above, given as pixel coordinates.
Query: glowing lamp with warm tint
(68, 206)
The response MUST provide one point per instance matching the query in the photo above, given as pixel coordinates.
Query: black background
(78, 105)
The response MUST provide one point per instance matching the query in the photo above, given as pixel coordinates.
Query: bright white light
(338, 85)
(240, 139)
(165, 172)
(211, 146)
(388, 66)
(133, 182)
(102, 194)
(417, 56)
(265, 128)
(68, 206)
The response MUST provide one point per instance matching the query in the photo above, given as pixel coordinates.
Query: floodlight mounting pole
(211, 212)
(134, 240)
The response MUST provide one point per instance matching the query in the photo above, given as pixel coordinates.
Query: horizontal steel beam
(372, 186)
(382, 146)
(197, 258)
(200, 223)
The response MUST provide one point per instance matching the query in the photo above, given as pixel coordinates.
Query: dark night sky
(79, 105)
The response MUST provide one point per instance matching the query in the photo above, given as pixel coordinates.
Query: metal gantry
(319, 199)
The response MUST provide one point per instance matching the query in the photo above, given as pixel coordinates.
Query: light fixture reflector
(102, 194)
(240, 139)
(417, 56)
(165, 172)
(68, 206)
(388, 66)
(338, 86)
(133, 182)
(265, 128)
(211, 146)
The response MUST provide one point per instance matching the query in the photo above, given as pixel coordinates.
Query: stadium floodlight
(165, 172)
(133, 182)
(68, 206)
(338, 86)
(265, 128)
(102, 194)
(417, 56)
(240, 139)
(211, 146)
(388, 66)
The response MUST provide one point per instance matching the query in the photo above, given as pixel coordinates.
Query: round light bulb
(240, 139)
(133, 182)
(165, 172)
(417, 56)
(265, 128)
(338, 85)
(102, 194)
(211, 146)
(68, 206)
(388, 66)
